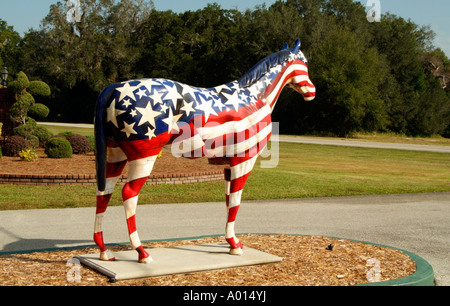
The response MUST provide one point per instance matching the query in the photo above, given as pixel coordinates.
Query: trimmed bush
(38, 110)
(18, 111)
(33, 140)
(39, 88)
(24, 130)
(20, 84)
(91, 139)
(65, 134)
(80, 144)
(43, 134)
(14, 144)
(58, 148)
(58, 136)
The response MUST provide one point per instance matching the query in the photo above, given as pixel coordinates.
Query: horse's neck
(269, 86)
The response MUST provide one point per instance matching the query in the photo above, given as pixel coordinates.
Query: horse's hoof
(144, 256)
(237, 251)
(107, 256)
(146, 260)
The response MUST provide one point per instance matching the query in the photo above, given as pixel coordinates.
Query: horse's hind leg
(139, 171)
(116, 161)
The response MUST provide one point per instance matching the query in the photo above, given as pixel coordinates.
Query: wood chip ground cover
(306, 262)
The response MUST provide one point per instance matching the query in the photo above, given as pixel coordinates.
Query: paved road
(418, 223)
(78, 125)
(364, 144)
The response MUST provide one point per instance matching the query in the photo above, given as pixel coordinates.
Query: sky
(26, 14)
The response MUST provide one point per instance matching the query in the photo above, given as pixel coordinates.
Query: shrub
(14, 144)
(28, 155)
(24, 130)
(43, 134)
(38, 110)
(80, 144)
(39, 88)
(91, 139)
(20, 84)
(18, 111)
(33, 140)
(25, 105)
(58, 148)
(65, 134)
(58, 136)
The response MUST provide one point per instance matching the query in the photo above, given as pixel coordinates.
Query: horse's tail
(101, 137)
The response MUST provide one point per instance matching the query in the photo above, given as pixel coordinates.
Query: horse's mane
(263, 66)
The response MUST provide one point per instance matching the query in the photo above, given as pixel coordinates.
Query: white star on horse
(172, 120)
(129, 129)
(233, 99)
(127, 91)
(148, 114)
(112, 113)
(207, 108)
(187, 108)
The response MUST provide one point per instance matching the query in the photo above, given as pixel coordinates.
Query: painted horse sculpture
(229, 124)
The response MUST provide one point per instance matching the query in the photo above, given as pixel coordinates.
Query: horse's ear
(285, 46)
(297, 46)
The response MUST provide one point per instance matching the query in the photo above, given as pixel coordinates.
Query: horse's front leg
(139, 171)
(235, 179)
(230, 236)
(232, 209)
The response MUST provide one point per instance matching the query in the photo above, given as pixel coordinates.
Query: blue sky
(26, 14)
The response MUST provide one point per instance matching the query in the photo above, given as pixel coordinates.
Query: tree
(413, 101)
(25, 106)
(438, 64)
(199, 47)
(9, 41)
(81, 57)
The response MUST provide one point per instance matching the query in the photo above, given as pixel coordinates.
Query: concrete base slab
(175, 260)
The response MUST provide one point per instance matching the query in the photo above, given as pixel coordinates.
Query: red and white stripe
(116, 161)
(295, 72)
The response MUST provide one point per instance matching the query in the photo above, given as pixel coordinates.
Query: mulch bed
(85, 164)
(307, 261)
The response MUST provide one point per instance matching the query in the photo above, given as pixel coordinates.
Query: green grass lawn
(372, 137)
(76, 130)
(303, 171)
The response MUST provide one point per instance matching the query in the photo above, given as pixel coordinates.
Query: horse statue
(229, 124)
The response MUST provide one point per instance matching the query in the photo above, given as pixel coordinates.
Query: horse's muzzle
(307, 91)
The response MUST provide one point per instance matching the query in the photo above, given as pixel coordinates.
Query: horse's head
(300, 78)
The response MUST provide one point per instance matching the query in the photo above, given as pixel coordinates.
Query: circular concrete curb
(424, 275)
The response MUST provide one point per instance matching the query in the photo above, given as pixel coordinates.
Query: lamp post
(4, 76)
